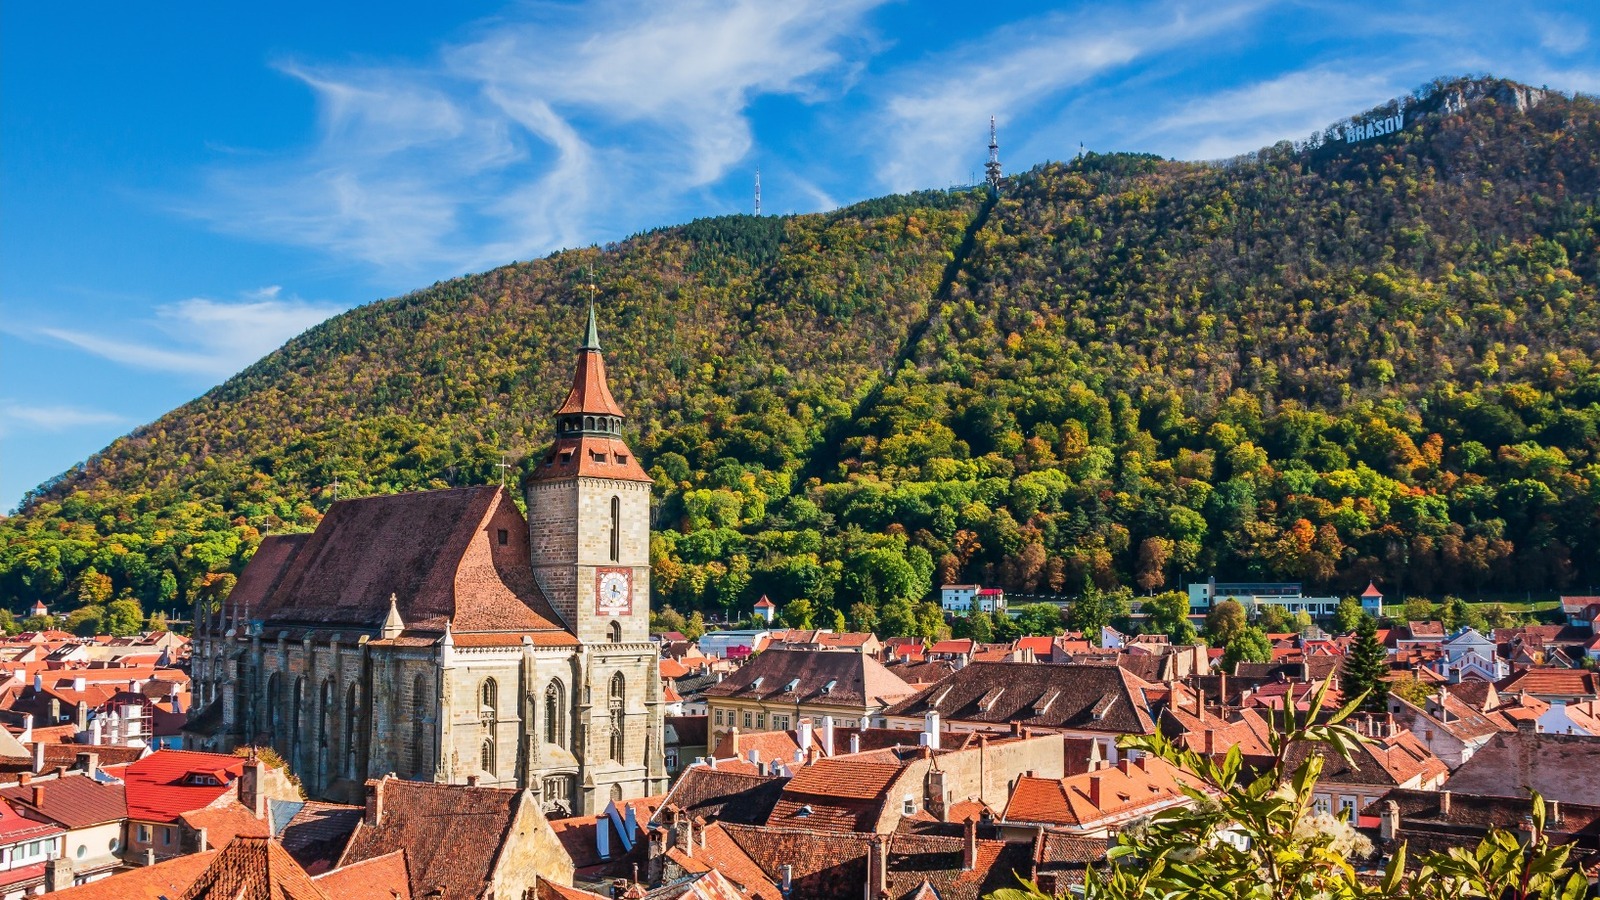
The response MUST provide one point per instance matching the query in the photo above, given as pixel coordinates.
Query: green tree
(1168, 614)
(1039, 619)
(8, 622)
(1348, 615)
(1272, 619)
(977, 625)
(695, 628)
(864, 616)
(798, 613)
(123, 617)
(85, 620)
(668, 619)
(1224, 622)
(1249, 645)
(1418, 609)
(1366, 666)
(837, 621)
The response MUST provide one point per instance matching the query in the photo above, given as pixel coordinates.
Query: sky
(184, 186)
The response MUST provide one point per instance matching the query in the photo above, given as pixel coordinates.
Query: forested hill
(1329, 362)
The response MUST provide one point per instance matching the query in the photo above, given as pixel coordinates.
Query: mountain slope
(1329, 363)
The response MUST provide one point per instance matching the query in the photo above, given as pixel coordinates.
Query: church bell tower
(589, 513)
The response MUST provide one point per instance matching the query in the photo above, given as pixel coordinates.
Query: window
(1319, 804)
(908, 806)
(144, 834)
(486, 756)
(718, 717)
(1347, 807)
(554, 714)
(488, 695)
(82, 851)
(780, 723)
(616, 528)
(747, 718)
(616, 632)
(616, 710)
(671, 756)
(166, 836)
(616, 793)
(504, 537)
(419, 716)
(761, 720)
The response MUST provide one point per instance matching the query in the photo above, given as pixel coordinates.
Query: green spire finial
(593, 340)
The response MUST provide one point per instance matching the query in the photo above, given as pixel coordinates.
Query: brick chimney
(877, 867)
(374, 815)
(969, 846)
(57, 875)
(252, 796)
(1095, 790)
(38, 796)
(1444, 804)
(89, 763)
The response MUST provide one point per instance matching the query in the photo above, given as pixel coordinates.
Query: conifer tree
(1366, 665)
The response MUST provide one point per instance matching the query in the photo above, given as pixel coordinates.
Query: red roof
(590, 393)
(160, 787)
(14, 828)
(764, 603)
(1372, 590)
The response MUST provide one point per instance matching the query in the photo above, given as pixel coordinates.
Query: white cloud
(1289, 107)
(932, 124)
(531, 135)
(205, 337)
(51, 418)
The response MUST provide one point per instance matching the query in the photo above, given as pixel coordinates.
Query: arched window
(616, 708)
(616, 632)
(555, 730)
(296, 725)
(420, 707)
(488, 694)
(352, 725)
(588, 423)
(273, 716)
(616, 528)
(616, 793)
(325, 722)
(486, 756)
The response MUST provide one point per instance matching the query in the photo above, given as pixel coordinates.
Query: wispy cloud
(1017, 68)
(1287, 107)
(204, 337)
(32, 418)
(529, 136)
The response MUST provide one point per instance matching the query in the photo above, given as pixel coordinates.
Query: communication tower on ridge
(991, 169)
(758, 192)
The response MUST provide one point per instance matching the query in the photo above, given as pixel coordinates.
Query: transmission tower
(991, 169)
(758, 192)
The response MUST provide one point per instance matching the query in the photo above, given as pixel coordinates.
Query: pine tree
(1366, 665)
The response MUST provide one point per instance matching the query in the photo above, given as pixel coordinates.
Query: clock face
(613, 592)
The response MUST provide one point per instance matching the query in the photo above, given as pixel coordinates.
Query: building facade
(443, 636)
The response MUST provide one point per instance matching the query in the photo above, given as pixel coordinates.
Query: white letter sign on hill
(1372, 128)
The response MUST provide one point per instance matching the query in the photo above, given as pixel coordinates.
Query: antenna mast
(991, 169)
(758, 192)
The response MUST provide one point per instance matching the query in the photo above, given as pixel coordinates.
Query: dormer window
(757, 683)
(828, 688)
(791, 686)
(620, 459)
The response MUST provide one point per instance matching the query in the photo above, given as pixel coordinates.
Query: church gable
(435, 552)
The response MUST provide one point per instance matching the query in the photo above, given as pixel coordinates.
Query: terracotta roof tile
(451, 833)
(158, 882)
(317, 834)
(379, 878)
(435, 552)
(1084, 800)
(73, 801)
(855, 679)
(1046, 695)
(224, 823)
(162, 786)
(253, 868)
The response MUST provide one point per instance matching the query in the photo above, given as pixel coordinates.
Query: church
(443, 636)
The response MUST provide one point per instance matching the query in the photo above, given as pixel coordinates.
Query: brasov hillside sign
(1372, 128)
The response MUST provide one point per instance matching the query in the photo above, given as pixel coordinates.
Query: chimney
(855, 742)
(1444, 804)
(374, 802)
(57, 874)
(79, 684)
(877, 867)
(788, 878)
(472, 781)
(1125, 765)
(1094, 790)
(1389, 826)
(27, 728)
(251, 795)
(803, 736)
(203, 841)
(149, 856)
(755, 757)
(1555, 811)
(602, 838)
(24, 778)
(969, 847)
(930, 728)
(55, 711)
(96, 733)
(630, 821)
(827, 735)
(89, 763)
(38, 796)
(1211, 742)
(38, 756)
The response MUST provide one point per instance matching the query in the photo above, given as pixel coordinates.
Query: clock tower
(589, 513)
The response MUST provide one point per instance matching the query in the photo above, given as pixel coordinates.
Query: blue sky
(185, 185)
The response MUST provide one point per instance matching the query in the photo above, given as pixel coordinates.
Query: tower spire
(592, 341)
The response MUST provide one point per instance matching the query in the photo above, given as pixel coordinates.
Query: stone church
(443, 636)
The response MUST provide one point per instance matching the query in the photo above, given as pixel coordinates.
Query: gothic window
(616, 632)
(555, 731)
(352, 731)
(616, 793)
(487, 696)
(324, 716)
(616, 528)
(486, 756)
(419, 736)
(296, 725)
(615, 708)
